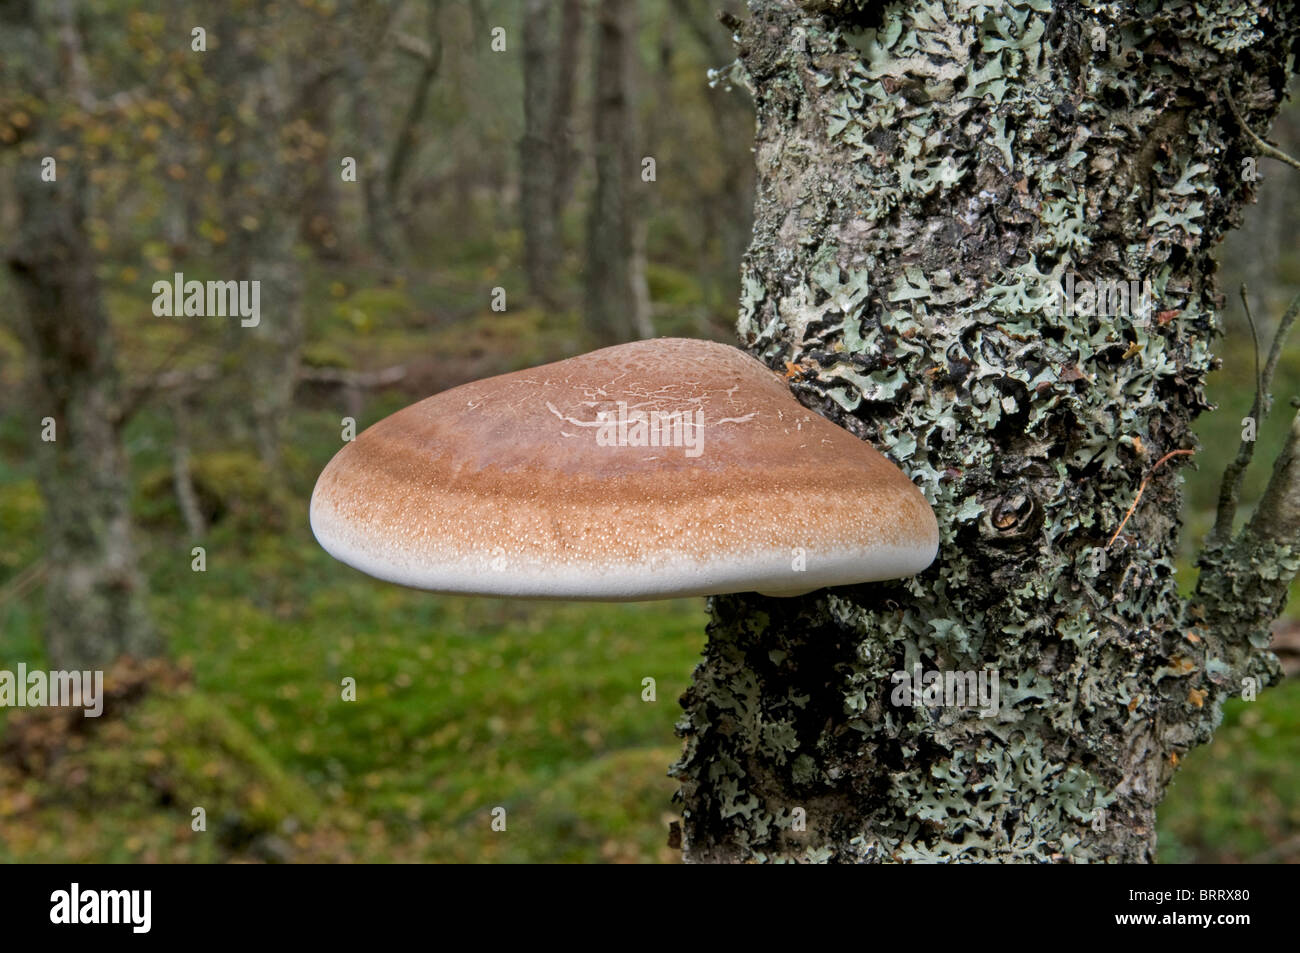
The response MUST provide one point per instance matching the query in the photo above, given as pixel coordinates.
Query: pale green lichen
(1026, 428)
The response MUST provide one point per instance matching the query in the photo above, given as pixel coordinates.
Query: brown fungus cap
(661, 468)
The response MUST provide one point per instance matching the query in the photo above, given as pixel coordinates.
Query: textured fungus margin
(926, 170)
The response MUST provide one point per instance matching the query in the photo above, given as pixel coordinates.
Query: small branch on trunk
(1244, 582)
(1235, 472)
(1245, 579)
(1275, 349)
(1273, 152)
(1277, 517)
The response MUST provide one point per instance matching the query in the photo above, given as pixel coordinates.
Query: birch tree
(546, 159)
(937, 181)
(615, 304)
(94, 592)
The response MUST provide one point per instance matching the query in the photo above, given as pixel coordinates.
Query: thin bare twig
(1275, 349)
(1273, 152)
(20, 583)
(1142, 489)
(1254, 341)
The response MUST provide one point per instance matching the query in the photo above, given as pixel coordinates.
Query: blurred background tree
(484, 160)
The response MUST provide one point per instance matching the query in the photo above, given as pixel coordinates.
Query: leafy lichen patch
(931, 174)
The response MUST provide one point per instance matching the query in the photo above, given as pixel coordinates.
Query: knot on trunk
(1011, 518)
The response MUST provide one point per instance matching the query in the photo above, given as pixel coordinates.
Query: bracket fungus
(661, 468)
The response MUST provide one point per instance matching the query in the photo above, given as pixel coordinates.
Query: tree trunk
(265, 189)
(94, 592)
(370, 25)
(406, 143)
(537, 157)
(612, 301)
(370, 161)
(728, 214)
(546, 154)
(926, 172)
(275, 347)
(319, 219)
(561, 123)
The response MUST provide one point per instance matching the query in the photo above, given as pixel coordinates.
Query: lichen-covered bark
(926, 171)
(95, 595)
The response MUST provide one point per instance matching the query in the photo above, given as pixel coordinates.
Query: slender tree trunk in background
(370, 162)
(642, 315)
(561, 123)
(369, 23)
(262, 250)
(921, 186)
(537, 153)
(94, 592)
(637, 189)
(406, 143)
(274, 347)
(612, 301)
(318, 220)
(730, 212)
(547, 158)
